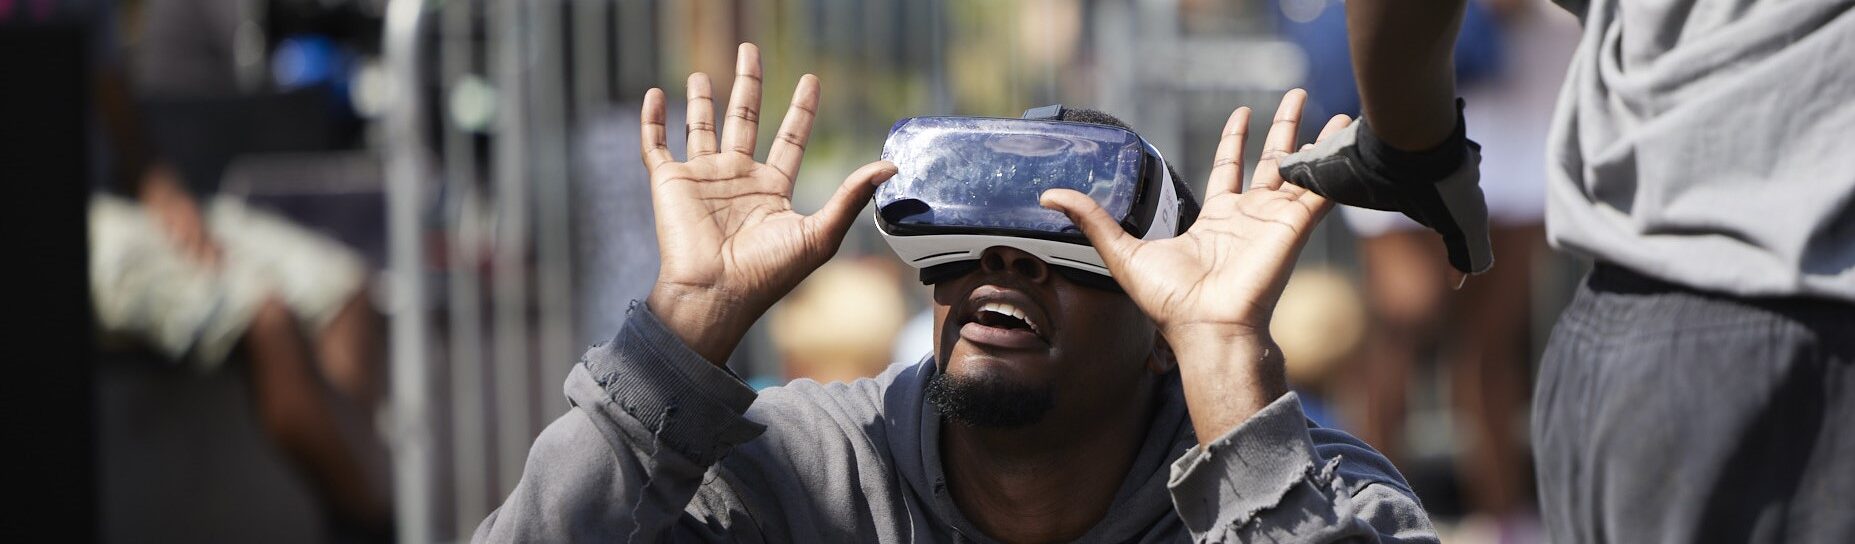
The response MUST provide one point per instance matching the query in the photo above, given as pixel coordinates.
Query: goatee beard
(988, 402)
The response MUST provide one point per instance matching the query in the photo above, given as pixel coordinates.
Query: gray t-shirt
(663, 446)
(1707, 143)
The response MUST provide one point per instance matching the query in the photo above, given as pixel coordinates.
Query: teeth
(1007, 309)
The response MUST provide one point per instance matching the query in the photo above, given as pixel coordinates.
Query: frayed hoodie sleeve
(1274, 479)
(649, 418)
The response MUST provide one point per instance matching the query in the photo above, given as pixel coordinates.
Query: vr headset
(965, 184)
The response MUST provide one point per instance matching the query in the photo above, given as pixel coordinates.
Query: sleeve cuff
(1246, 471)
(687, 403)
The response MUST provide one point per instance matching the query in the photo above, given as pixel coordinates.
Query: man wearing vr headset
(1116, 384)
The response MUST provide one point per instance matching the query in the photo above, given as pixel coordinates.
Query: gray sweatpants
(1665, 414)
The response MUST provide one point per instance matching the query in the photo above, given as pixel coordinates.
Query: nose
(999, 259)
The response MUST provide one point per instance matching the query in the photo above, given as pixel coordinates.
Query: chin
(989, 391)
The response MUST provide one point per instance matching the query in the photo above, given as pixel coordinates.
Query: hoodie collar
(1142, 501)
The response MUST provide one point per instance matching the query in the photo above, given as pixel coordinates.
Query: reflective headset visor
(964, 184)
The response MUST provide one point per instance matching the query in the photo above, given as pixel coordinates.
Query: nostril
(1030, 268)
(991, 261)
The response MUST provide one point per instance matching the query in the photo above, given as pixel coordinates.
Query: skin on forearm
(1228, 374)
(1404, 61)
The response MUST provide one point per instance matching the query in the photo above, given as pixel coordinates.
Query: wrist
(709, 321)
(1229, 374)
(1423, 165)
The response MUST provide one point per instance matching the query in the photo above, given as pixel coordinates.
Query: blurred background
(327, 262)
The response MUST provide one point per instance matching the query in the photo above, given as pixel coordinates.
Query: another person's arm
(142, 175)
(1259, 472)
(1409, 152)
(654, 409)
(1404, 62)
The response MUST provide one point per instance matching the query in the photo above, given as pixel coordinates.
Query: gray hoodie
(663, 446)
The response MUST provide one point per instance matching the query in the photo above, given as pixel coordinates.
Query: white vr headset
(965, 184)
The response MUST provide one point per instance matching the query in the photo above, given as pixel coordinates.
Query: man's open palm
(1227, 271)
(729, 240)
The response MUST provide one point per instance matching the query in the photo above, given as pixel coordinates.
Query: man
(1061, 423)
(1699, 386)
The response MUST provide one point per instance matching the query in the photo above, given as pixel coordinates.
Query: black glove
(1439, 188)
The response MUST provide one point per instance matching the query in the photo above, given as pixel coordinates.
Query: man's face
(1015, 339)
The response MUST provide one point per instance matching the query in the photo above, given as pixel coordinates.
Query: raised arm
(1404, 61)
(1259, 472)
(731, 244)
(1409, 153)
(656, 407)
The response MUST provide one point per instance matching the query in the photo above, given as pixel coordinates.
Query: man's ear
(1162, 360)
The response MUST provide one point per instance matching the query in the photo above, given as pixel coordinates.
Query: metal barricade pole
(407, 170)
(464, 231)
(548, 141)
(509, 274)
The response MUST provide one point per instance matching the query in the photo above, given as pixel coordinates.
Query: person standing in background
(1479, 334)
(1510, 61)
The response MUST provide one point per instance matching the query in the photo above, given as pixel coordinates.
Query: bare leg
(1488, 375)
(1404, 286)
(304, 419)
(349, 348)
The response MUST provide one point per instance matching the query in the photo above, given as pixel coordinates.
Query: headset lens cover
(986, 174)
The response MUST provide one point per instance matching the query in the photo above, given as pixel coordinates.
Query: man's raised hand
(1211, 290)
(729, 241)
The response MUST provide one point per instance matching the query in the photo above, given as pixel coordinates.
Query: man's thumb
(1102, 231)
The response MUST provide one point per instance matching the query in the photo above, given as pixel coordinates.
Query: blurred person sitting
(205, 280)
(1060, 404)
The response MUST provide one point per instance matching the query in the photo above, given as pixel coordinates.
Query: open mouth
(1003, 315)
(1004, 318)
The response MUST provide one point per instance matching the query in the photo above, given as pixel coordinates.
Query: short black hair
(1188, 201)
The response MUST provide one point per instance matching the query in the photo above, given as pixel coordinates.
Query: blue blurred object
(761, 383)
(1316, 410)
(1330, 85)
(306, 60)
(302, 61)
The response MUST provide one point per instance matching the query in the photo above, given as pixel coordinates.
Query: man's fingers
(651, 146)
(743, 123)
(1113, 243)
(1227, 163)
(1333, 126)
(701, 116)
(1313, 200)
(838, 213)
(789, 145)
(1280, 141)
